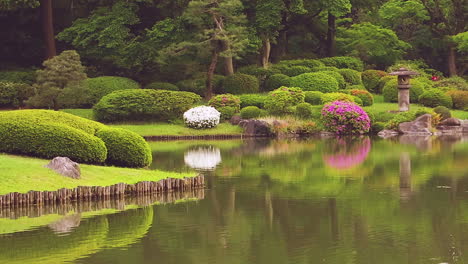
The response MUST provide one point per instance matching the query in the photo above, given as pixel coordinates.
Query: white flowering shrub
(202, 117)
(203, 158)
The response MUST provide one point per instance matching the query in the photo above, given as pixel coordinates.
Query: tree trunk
(331, 35)
(266, 50)
(452, 61)
(210, 73)
(48, 28)
(228, 62)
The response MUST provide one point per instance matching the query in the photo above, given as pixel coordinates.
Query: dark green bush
(324, 68)
(459, 99)
(371, 78)
(390, 91)
(351, 76)
(339, 78)
(332, 97)
(304, 110)
(344, 62)
(365, 96)
(316, 81)
(257, 71)
(223, 100)
(162, 86)
(197, 86)
(434, 97)
(240, 83)
(8, 95)
(125, 148)
(376, 127)
(250, 112)
(443, 111)
(49, 140)
(292, 71)
(25, 76)
(357, 100)
(227, 112)
(218, 81)
(282, 100)
(456, 83)
(275, 81)
(104, 85)
(310, 63)
(313, 97)
(252, 100)
(143, 104)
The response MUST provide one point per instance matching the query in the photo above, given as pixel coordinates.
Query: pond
(335, 200)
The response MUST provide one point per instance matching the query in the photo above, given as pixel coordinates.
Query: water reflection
(203, 158)
(347, 153)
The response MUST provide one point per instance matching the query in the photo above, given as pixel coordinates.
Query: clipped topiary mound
(304, 110)
(250, 112)
(143, 104)
(104, 85)
(390, 91)
(371, 78)
(310, 63)
(365, 96)
(313, 97)
(339, 78)
(345, 118)
(443, 111)
(240, 83)
(434, 97)
(223, 100)
(257, 100)
(316, 81)
(49, 140)
(282, 100)
(344, 62)
(332, 97)
(125, 148)
(227, 112)
(202, 117)
(292, 71)
(162, 86)
(275, 81)
(351, 76)
(460, 99)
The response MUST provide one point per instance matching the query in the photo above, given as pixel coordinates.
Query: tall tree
(334, 8)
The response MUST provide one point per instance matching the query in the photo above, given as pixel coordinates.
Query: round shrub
(162, 86)
(351, 76)
(240, 83)
(143, 104)
(282, 100)
(345, 118)
(344, 62)
(202, 117)
(250, 112)
(125, 148)
(339, 78)
(459, 98)
(443, 111)
(252, 100)
(433, 98)
(304, 110)
(332, 97)
(295, 70)
(310, 63)
(227, 112)
(357, 100)
(382, 83)
(390, 91)
(104, 85)
(313, 97)
(275, 81)
(223, 100)
(49, 140)
(456, 83)
(316, 81)
(371, 78)
(365, 96)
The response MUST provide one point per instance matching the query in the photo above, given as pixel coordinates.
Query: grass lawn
(165, 129)
(22, 174)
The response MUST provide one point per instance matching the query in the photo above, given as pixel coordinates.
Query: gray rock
(450, 122)
(388, 133)
(235, 120)
(420, 126)
(65, 167)
(256, 128)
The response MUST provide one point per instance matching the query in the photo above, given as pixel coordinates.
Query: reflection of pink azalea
(348, 158)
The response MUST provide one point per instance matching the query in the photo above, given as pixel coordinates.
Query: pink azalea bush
(345, 118)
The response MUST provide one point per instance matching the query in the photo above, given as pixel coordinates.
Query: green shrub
(433, 98)
(292, 71)
(104, 85)
(357, 100)
(382, 82)
(390, 91)
(282, 100)
(332, 97)
(125, 148)
(162, 86)
(252, 100)
(313, 97)
(227, 112)
(49, 140)
(250, 112)
(240, 83)
(223, 100)
(344, 62)
(356, 87)
(25, 76)
(14, 94)
(316, 81)
(324, 68)
(371, 78)
(257, 71)
(400, 118)
(443, 111)
(275, 81)
(351, 76)
(376, 127)
(339, 78)
(365, 96)
(310, 63)
(304, 110)
(457, 83)
(197, 86)
(459, 99)
(143, 104)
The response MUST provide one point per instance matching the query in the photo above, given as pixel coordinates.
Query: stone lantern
(404, 76)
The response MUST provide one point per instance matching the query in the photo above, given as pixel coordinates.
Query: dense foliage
(250, 112)
(225, 100)
(434, 97)
(282, 100)
(316, 81)
(345, 118)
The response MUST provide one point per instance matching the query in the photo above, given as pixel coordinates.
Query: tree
(60, 72)
(335, 8)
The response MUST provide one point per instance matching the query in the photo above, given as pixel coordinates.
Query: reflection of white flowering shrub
(202, 117)
(203, 158)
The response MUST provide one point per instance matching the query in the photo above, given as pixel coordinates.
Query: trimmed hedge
(250, 112)
(313, 97)
(339, 78)
(390, 91)
(162, 86)
(100, 86)
(143, 104)
(371, 78)
(282, 100)
(292, 71)
(316, 81)
(240, 83)
(275, 81)
(49, 140)
(257, 100)
(351, 76)
(125, 148)
(365, 96)
(223, 100)
(434, 97)
(460, 99)
(310, 63)
(344, 62)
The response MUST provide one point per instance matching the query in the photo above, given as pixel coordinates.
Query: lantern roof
(404, 71)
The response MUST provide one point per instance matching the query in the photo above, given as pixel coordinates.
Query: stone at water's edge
(451, 126)
(421, 125)
(65, 167)
(256, 128)
(386, 133)
(450, 122)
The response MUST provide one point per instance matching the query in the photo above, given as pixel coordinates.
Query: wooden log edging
(85, 193)
(195, 137)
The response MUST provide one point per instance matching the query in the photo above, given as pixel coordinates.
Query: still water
(340, 201)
